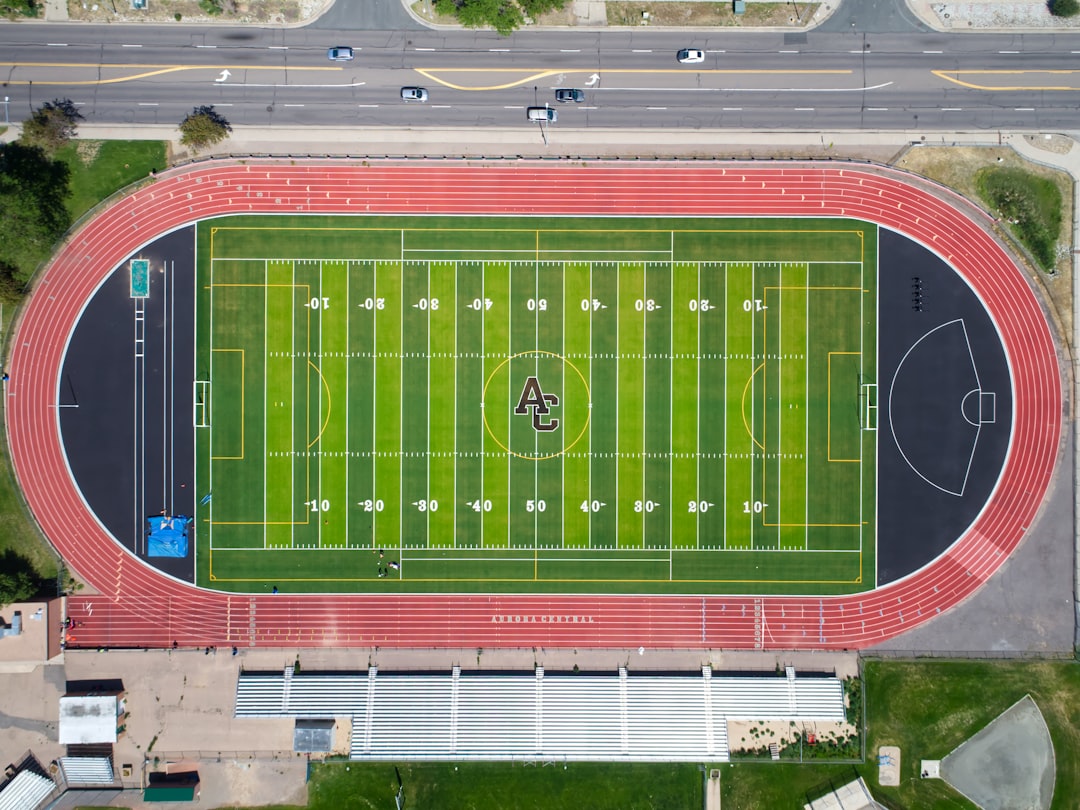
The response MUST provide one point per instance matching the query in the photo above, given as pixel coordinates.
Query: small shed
(172, 787)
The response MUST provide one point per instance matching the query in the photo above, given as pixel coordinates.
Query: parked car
(567, 94)
(542, 114)
(689, 56)
(413, 94)
(341, 53)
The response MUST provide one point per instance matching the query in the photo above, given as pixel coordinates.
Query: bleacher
(539, 716)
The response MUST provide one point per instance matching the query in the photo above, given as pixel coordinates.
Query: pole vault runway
(137, 606)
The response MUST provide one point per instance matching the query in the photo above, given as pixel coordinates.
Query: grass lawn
(98, 168)
(505, 786)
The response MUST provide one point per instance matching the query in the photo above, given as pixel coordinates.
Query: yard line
(644, 398)
(348, 387)
(456, 315)
(753, 398)
(319, 457)
(618, 352)
(483, 371)
(727, 328)
(428, 405)
(697, 416)
(374, 399)
(780, 398)
(562, 457)
(536, 371)
(592, 334)
(266, 377)
(806, 429)
(671, 408)
(509, 391)
(401, 389)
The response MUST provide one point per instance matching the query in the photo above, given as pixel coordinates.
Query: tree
(51, 125)
(33, 216)
(534, 8)
(502, 15)
(203, 127)
(1064, 8)
(18, 580)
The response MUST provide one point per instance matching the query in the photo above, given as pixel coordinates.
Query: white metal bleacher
(540, 716)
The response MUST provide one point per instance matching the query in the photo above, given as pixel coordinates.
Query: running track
(137, 606)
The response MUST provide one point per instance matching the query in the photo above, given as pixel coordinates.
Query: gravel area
(999, 15)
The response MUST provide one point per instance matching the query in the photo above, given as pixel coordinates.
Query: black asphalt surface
(127, 424)
(935, 469)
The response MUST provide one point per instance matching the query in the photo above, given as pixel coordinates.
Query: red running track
(138, 606)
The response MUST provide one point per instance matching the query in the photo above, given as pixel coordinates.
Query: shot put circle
(536, 405)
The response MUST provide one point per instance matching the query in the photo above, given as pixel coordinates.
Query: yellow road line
(953, 76)
(148, 71)
(539, 74)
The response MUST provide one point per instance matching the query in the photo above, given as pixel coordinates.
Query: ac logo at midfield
(533, 397)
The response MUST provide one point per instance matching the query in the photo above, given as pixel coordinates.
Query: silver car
(413, 94)
(341, 53)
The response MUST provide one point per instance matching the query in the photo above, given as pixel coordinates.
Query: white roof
(25, 792)
(88, 719)
(602, 717)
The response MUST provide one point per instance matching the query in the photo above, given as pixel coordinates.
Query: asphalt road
(760, 81)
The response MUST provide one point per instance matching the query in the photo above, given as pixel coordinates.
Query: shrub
(1030, 204)
(204, 127)
(1064, 8)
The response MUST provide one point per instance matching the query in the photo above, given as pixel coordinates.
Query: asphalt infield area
(944, 411)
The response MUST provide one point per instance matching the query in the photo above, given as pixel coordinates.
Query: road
(759, 81)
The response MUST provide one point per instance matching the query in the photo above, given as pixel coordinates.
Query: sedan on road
(568, 94)
(413, 94)
(341, 53)
(689, 56)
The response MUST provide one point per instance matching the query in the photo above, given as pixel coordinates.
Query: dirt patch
(88, 151)
(748, 735)
(277, 12)
(710, 15)
(956, 167)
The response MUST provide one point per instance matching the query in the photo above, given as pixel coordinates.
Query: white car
(413, 94)
(689, 56)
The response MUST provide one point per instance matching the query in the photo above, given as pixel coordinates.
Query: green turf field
(536, 404)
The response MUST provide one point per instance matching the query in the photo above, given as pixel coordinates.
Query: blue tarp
(168, 536)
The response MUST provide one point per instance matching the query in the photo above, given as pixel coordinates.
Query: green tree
(32, 211)
(18, 8)
(18, 582)
(502, 15)
(534, 8)
(1064, 8)
(51, 125)
(203, 127)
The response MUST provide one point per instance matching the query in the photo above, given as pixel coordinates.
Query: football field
(531, 405)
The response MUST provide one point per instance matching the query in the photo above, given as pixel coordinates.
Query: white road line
(423, 49)
(148, 104)
(931, 52)
(64, 45)
(1024, 109)
(877, 109)
(656, 109)
(131, 46)
(952, 109)
(206, 46)
(293, 105)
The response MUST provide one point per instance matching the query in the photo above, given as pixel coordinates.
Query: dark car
(569, 94)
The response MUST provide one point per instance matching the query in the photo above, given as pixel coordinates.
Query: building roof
(88, 719)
